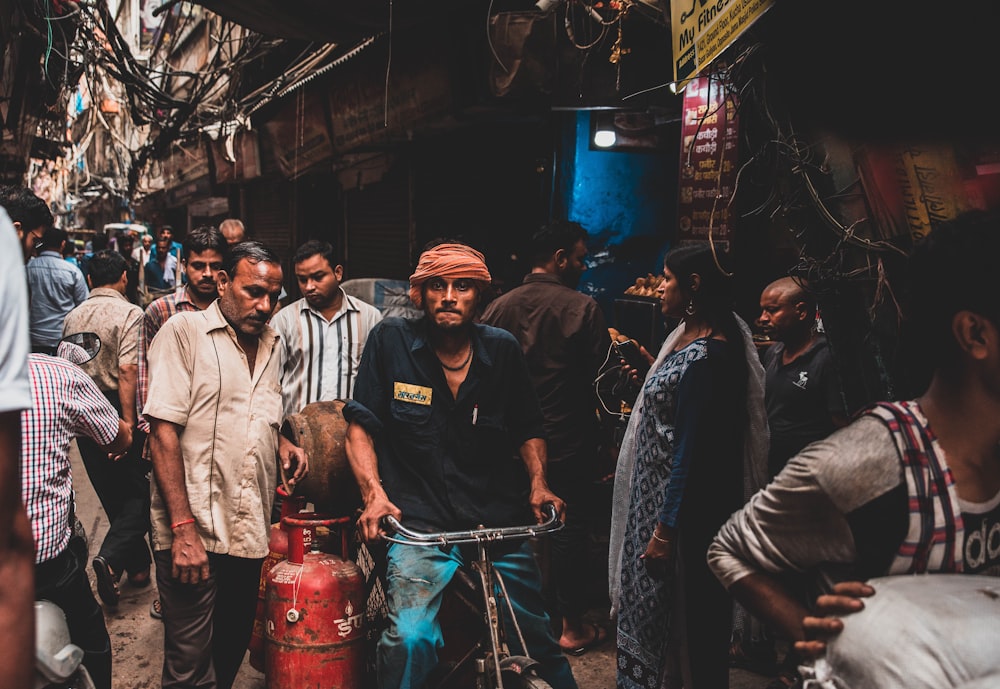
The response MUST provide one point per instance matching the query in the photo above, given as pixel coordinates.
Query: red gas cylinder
(277, 549)
(314, 611)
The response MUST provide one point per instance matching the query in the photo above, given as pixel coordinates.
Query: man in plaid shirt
(65, 403)
(204, 250)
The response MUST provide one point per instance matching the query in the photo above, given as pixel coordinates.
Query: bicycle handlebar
(504, 533)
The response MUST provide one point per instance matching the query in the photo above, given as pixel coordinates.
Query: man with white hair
(233, 230)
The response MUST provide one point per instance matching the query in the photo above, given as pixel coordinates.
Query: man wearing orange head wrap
(449, 260)
(439, 404)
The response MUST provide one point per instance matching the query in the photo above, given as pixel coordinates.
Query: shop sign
(184, 165)
(299, 134)
(182, 194)
(709, 156)
(208, 207)
(702, 29)
(910, 188)
(236, 158)
(360, 115)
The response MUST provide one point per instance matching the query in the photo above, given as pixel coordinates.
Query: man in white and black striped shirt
(322, 334)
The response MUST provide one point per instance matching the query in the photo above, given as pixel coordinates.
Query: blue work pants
(416, 578)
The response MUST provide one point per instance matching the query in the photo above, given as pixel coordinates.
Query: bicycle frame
(492, 584)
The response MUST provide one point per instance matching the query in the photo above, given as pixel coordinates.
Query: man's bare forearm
(364, 463)
(361, 456)
(768, 600)
(128, 377)
(168, 468)
(534, 454)
(17, 559)
(10, 470)
(122, 441)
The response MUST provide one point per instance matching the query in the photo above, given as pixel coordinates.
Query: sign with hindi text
(709, 157)
(702, 29)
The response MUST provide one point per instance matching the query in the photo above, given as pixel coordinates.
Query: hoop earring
(690, 308)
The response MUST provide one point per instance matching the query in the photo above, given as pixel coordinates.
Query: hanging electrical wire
(176, 103)
(798, 191)
(571, 22)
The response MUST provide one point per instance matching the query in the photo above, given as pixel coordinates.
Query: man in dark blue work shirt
(438, 405)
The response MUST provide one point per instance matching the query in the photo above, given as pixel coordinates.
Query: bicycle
(494, 666)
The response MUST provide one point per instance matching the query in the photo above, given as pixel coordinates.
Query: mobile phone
(629, 351)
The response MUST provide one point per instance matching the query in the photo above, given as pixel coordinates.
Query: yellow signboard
(702, 29)
(910, 188)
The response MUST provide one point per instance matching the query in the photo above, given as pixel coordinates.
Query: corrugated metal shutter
(378, 230)
(268, 220)
(269, 214)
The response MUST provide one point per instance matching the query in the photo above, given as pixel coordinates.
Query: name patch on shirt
(405, 392)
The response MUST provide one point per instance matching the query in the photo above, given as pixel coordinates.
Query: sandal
(139, 580)
(107, 582)
(600, 636)
(155, 610)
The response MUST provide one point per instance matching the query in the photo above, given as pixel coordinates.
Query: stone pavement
(137, 638)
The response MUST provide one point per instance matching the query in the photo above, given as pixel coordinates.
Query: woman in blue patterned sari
(696, 434)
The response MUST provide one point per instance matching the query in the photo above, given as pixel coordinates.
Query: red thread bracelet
(182, 522)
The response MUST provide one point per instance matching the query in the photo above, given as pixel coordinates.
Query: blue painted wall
(626, 200)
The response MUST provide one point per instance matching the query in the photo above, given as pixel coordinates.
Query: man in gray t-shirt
(852, 506)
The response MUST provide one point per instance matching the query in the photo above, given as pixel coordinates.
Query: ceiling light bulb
(605, 138)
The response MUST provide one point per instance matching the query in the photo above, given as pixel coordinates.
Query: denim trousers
(416, 577)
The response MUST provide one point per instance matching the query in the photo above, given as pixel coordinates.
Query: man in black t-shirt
(801, 393)
(803, 405)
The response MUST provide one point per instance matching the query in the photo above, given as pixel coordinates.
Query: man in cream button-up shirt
(214, 407)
